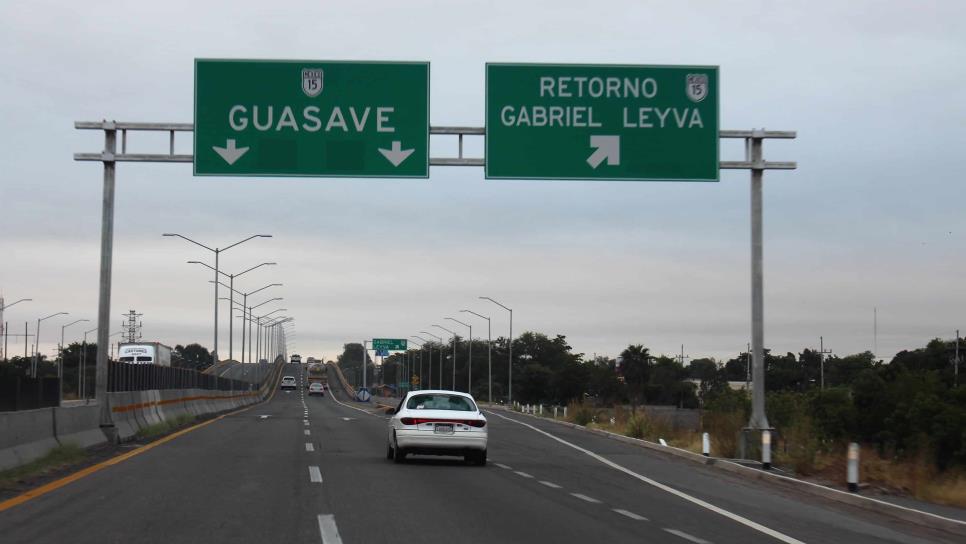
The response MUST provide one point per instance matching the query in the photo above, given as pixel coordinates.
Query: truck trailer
(144, 353)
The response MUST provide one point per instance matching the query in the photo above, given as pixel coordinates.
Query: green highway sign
(605, 122)
(389, 344)
(311, 118)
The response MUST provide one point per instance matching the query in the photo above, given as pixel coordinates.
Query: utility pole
(956, 363)
(821, 359)
(748, 368)
(682, 358)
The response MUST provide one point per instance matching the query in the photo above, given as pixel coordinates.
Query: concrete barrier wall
(27, 435)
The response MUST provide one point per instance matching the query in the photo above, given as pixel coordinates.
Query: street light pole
(489, 353)
(428, 375)
(510, 371)
(3, 324)
(454, 357)
(83, 368)
(60, 367)
(469, 364)
(217, 252)
(37, 342)
(440, 338)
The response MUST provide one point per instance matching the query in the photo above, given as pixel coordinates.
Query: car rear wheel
(398, 454)
(476, 457)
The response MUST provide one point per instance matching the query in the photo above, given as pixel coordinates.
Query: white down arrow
(396, 155)
(230, 153)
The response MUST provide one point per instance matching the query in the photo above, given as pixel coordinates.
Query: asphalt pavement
(313, 469)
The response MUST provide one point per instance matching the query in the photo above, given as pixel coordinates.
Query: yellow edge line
(57, 484)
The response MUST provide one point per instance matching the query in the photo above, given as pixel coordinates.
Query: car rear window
(441, 401)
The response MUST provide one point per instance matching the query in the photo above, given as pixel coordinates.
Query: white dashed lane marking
(328, 529)
(631, 515)
(307, 432)
(688, 537)
(585, 498)
(315, 476)
(309, 446)
(549, 484)
(501, 465)
(524, 474)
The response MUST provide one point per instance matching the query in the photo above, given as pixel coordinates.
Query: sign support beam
(753, 161)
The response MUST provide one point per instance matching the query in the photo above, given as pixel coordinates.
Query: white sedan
(437, 423)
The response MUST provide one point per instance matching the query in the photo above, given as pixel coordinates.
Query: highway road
(303, 469)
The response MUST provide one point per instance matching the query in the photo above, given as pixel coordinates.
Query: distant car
(316, 388)
(288, 382)
(437, 423)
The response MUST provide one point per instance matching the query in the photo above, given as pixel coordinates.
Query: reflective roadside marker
(852, 476)
(706, 444)
(766, 450)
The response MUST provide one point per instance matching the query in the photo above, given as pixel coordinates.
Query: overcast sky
(872, 217)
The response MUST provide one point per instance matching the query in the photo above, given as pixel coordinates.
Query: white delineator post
(852, 472)
(766, 449)
(705, 444)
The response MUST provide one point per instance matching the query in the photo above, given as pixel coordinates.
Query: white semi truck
(144, 353)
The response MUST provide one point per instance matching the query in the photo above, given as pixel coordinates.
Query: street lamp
(510, 363)
(469, 364)
(453, 334)
(3, 329)
(231, 296)
(245, 303)
(60, 367)
(429, 371)
(37, 342)
(262, 327)
(83, 368)
(217, 252)
(489, 352)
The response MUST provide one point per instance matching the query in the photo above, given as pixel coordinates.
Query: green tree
(193, 356)
(635, 366)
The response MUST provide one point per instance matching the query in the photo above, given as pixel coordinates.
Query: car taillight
(418, 421)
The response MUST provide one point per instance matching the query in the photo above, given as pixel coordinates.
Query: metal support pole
(250, 320)
(231, 315)
(365, 357)
(214, 348)
(758, 418)
(104, 298)
(244, 317)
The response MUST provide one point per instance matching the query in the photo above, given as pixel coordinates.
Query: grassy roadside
(915, 478)
(56, 460)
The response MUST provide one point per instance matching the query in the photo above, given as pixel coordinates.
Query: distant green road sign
(311, 118)
(559, 121)
(389, 344)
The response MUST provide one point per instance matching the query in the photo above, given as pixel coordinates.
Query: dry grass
(915, 477)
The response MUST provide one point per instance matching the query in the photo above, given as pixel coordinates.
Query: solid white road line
(735, 517)
(631, 515)
(309, 446)
(550, 484)
(328, 529)
(585, 498)
(307, 432)
(501, 465)
(524, 474)
(686, 536)
(315, 476)
(353, 407)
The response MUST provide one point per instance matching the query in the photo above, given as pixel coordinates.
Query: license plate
(443, 429)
